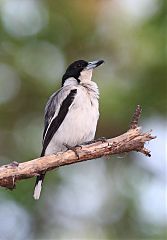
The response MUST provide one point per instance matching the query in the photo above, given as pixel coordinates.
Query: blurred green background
(123, 197)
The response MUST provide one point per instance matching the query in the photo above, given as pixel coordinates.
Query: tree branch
(132, 140)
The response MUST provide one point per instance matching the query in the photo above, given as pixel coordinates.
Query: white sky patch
(153, 193)
(140, 9)
(15, 221)
(23, 17)
(153, 203)
(85, 187)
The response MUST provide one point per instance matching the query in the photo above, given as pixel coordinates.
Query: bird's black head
(74, 70)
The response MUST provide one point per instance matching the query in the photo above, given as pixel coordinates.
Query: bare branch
(133, 140)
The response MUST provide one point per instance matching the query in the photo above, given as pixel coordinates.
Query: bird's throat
(86, 76)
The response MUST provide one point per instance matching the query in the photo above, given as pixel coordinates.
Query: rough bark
(132, 140)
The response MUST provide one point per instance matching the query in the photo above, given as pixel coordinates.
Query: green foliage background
(103, 199)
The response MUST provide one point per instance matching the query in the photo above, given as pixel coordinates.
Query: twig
(132, 140)
(136, 117)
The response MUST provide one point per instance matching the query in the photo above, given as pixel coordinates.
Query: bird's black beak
(94, 64)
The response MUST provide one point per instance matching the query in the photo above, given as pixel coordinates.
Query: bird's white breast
(80, 122)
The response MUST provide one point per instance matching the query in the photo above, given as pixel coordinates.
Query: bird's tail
(38, 186)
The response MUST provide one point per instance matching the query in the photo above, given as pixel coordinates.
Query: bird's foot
(88, 142)
(72, 149)
(14, 164)
(102, 139)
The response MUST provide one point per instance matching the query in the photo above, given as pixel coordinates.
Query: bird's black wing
(52, 120)
(50, 110)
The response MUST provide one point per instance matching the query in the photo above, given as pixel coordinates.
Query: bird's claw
(102, 139)
(14, 164)
(72, 149)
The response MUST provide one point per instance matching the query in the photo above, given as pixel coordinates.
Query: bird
(71, 113)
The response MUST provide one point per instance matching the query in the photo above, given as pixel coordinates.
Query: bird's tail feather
(38, 186)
